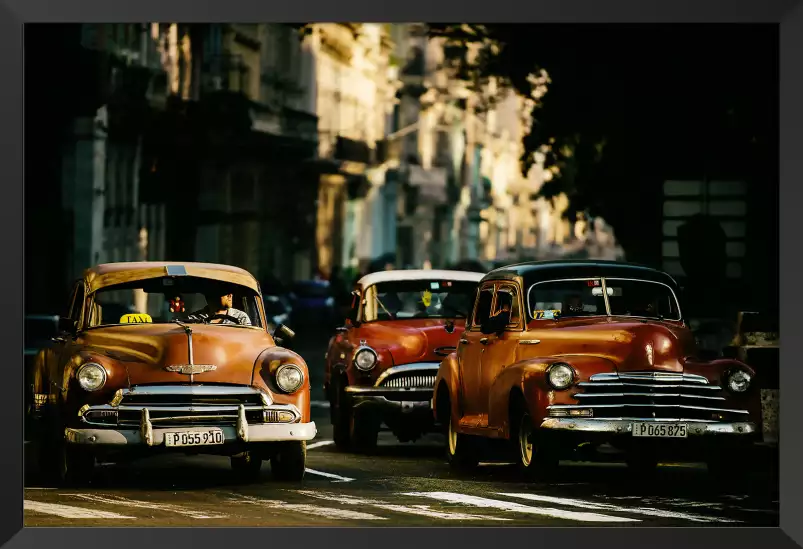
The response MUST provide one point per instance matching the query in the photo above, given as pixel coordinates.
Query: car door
(500, 350)
(470, 351)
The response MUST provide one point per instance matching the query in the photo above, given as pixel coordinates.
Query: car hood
(413, 340)
(622, 341)
(141, 353)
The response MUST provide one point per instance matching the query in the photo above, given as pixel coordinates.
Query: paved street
(400, 485)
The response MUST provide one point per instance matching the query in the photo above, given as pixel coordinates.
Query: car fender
(448, 379)
(528, 377)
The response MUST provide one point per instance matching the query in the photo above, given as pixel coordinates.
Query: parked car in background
(312, 303)
(381, 366)
(193, 369)
(39, 333)
(558, 354)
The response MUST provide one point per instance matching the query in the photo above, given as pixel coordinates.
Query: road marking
(125, 502)
(319, 444)
(67, 511)
(475, 501)
(422, 510)
(608, 507)
(316, 510)
(329, 475)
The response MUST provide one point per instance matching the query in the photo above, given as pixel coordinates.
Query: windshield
(641, 298)
(418, 299)
(577, 298)
(167, 299)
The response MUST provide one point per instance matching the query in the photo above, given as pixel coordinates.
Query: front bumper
(625, 427)
(155, 437)
(390, 400)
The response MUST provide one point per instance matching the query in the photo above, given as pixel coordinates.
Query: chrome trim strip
(529, 341)
(654, 376)
(380, 390)
(415, 367)
(681, 406)
(618, 426)
(192, 390)
(651, 395)
(651, 385)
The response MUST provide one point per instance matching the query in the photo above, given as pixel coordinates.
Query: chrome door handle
(484, 341)
(464, 341)
(57, 339)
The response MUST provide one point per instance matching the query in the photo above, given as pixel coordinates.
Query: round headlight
(560, 375)
(91, 376)
(365, 359)
(289, 378)
(738, 381)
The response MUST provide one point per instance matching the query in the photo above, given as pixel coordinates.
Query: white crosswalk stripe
(315, 510)
(451, 497)
(421, 510)
(69, 511)
(125, 502)
(616, 508)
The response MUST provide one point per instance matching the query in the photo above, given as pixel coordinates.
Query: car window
(76, 302)
(566, 298)
(167, 299)
(507, 297)
(405, 299)
(483, 308)
(641, 298)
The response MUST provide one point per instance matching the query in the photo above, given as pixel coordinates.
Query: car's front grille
(649, 396)
(182, 405)
(411, 380)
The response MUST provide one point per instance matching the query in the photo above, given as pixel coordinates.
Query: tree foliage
(625, 98)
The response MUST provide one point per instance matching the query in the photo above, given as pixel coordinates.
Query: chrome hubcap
(525, 441)
(452, 439)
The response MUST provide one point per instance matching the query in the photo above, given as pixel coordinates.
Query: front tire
(363, 431)
(341, 411)
(532, 459)
(461, 451)
(65, 464)
(289, 462)
(247, 466)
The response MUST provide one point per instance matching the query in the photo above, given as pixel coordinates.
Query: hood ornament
(650, 354)
(190, 369)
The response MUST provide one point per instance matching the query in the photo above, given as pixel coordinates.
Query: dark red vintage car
(381, 366)
(563, 355)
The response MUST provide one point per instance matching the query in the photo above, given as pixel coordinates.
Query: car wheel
(290, 461)
(531, 458)
(363, 431)
(69, 465)
(246, 466)
(724, 468)
(341, 418)
(461, 452)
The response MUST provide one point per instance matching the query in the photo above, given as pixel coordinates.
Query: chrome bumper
(622, 426)
(395, 394)
(155, 437)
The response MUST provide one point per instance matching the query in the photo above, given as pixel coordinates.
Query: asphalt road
(401, 485)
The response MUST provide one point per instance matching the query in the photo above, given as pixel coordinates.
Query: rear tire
(289, 462)
(246, 467)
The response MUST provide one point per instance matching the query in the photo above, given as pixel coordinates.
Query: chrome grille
(187, 405)
(651, 396)
(410, 381)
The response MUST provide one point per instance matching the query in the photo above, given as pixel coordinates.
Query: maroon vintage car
(381, 366)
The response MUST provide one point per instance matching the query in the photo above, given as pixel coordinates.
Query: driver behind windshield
(223, 305)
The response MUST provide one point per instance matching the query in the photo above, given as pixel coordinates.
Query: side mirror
(67, 325)
(284, 331)
(496, 324)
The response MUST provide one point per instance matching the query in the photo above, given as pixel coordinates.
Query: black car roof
(538, 271)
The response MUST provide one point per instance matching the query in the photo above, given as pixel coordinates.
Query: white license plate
(194, 438)
(660, 430)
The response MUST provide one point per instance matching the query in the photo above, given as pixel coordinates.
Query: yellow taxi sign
(546, 314)
(136, 319)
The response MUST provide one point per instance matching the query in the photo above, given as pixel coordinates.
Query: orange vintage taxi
(161, 357)
(381, 366)
(562, 355)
